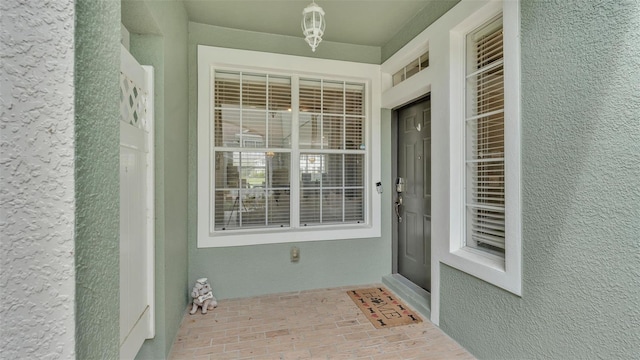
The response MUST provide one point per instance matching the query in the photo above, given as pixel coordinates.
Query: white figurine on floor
(202, 296)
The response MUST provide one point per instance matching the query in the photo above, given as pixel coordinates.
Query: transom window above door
(286, 153)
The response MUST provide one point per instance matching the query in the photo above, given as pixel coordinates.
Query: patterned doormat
(382, 308)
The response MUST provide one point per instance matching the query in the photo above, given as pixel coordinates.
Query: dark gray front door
(414, 166)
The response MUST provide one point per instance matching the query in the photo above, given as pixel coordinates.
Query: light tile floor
(315, 324)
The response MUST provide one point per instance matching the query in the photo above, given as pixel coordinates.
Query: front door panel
(414, 165)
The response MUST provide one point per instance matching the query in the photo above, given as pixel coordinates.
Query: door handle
(398, 203)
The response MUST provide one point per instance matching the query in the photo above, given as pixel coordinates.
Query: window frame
(504, 272)
(211, 59)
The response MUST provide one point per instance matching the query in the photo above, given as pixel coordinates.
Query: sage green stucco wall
(167, 52)
(262, 269)
(172, 19)
(581, 195)
(425, 17)
(97, 139)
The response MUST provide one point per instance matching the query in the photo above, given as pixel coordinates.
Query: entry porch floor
(314, 324)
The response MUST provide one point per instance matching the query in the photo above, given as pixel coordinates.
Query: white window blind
(484, 158)
(254, 151)
(331, 133)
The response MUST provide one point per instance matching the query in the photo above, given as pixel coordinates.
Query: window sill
(493, 262)
(485, 266)
(287, 235)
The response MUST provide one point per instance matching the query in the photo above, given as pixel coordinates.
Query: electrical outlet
(295, 254)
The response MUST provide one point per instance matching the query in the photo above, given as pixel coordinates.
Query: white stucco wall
(37, 278)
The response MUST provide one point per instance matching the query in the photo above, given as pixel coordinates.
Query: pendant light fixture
(313, 25)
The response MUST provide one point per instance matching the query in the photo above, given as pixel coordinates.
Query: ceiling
(362, 22)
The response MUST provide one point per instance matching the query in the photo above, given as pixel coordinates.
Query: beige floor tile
(226, 340)
(198, 343)
(396, 337)
(251, 352)
(356, 336)
(209, 350)
(368, 351)
(392, 347)
(388, 356)
(238, 346)
(343, 356)
(267, 357)
(225, 356)
(323, 351)
(373, 342)
(322, 324)
(275, 333)
(280, 348)
(181, 354)
(251, 336)
(296, 355)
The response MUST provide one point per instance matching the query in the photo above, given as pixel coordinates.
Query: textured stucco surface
(173, 20)
(135, 17)
(581, 195)
(36, 180)
(97, 98)
(423, 18)
(168, 54)
(263, 269)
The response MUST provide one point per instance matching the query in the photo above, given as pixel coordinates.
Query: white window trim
(437, 79)
(210, 58)
(505, 273)
(434, 80)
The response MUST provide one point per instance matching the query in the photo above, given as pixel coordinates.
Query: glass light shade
(313, 25)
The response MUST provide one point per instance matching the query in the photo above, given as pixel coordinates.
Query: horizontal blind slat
(485, 207)
(485, 68)
(491, 240)
(500, 111)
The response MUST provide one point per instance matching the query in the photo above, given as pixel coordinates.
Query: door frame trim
(394, 176)
(436, 80)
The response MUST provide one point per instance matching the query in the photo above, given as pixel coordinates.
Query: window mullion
(240, 153)
(320, 193)
(267, 142)
(241, 107)
(344, 148)
(294, 174)
(212, 151)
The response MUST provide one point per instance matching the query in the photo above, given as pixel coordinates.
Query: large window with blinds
(284, 155)
(485, 230)
(256, 143)
(252, 150)
(332, 151)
